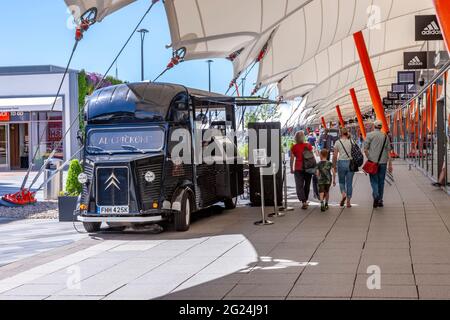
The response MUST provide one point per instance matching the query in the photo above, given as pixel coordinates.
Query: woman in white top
(341, 161)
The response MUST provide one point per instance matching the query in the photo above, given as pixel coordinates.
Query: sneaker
(375, 203)
(327, 207)
(380, 203)
(305, 206)
(322, 207)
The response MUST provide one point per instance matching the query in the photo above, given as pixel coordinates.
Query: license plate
(113, 210)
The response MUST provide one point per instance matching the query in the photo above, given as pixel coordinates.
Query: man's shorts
(324, 188)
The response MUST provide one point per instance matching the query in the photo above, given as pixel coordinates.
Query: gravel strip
(41, 210)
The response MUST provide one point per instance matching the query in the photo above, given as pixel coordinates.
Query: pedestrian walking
(302, 177)
(377, 148)
(324, 177)
(326, 141)
(341, 161)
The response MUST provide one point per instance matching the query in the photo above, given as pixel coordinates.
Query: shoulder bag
(372, 167)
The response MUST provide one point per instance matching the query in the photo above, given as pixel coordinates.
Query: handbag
(371, 167)
(357, 155)
(353, 165)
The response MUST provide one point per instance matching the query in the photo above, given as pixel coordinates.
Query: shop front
(30, 122)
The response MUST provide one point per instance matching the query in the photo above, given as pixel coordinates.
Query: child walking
(325, 179)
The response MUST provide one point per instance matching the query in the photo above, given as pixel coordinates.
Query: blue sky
(35, 32)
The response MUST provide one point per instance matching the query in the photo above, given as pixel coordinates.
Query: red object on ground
(21, 198)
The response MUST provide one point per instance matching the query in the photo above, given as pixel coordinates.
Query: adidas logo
(432, 29)
(415, 62)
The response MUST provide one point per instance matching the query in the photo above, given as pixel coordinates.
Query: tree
(87, 83)
(263, 113)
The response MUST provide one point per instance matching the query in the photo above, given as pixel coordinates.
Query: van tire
(230, 204)
(182, 219)
(92, 227)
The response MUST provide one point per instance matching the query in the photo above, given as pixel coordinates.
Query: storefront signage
(427, 28)
(398, 88)
(4, 116)
(406, 77)
(387, 102)
(415, 60)
(20, 116)
(436, 60)
(411, 88)
(392, 95)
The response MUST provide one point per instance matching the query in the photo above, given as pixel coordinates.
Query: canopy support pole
(443, 14)
(362, 127)
(370, 78)
(324, 124)
(341, 119)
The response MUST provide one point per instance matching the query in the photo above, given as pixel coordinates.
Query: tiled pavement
(25, 238)
(304, 255)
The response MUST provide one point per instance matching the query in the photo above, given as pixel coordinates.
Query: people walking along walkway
(377, 148)
(302, 178)
(341, 161)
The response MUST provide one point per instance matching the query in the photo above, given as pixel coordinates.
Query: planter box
(66, 207)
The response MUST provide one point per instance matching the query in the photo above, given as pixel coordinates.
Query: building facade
(28, 124)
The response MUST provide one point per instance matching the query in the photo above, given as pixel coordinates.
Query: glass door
(3, 146)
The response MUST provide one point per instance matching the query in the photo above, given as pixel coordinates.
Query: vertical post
(277, 211)
(143, 33)
(341, 119)
(324, 124)
(285, 207)
(358, 113)
(264, 221)
(370, 78)
(209, 74)
(443, 15)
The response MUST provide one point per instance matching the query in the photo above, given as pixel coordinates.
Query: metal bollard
(285, 207)
(276, 212)
(264, 221)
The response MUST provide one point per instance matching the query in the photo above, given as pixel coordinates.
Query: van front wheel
(230, 203)
(92, 227)
(183, 218)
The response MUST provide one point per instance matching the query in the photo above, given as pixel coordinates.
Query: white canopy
(104, 7)
(310, 47)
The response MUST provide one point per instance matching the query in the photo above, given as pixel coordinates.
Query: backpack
(357, 154)
(309, 162)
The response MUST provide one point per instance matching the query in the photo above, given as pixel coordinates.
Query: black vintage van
(129, 175)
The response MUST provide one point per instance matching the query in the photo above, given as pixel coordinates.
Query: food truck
(130, 173)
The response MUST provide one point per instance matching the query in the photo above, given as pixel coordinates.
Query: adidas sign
(432, 29)
(415, 62)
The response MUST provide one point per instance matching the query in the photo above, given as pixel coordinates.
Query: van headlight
(150, 176)
(82, 178)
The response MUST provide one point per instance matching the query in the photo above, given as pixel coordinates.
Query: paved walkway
(304, 255)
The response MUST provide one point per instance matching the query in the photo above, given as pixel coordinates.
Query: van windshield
(125, 140)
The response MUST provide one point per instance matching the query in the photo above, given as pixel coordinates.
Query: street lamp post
(209, 73)
(143, 33)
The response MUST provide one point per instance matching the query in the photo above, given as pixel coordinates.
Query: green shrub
(73, 187)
